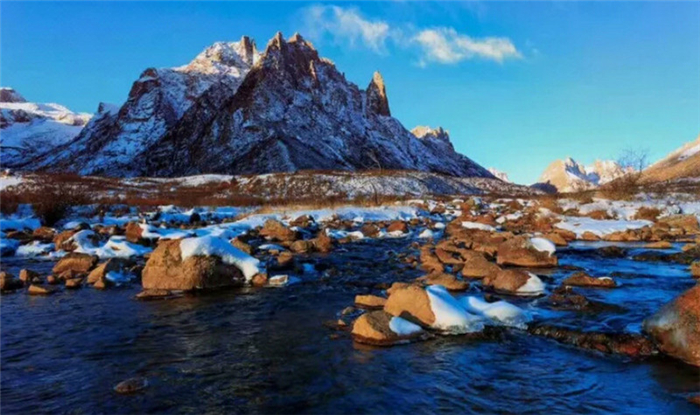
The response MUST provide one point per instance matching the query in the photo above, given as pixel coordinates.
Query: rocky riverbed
(467, 305)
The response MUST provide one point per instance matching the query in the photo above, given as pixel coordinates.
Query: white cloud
(446, 45)
(347, 24)
(440, 45)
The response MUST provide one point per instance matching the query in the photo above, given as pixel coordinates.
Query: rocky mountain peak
(377, 101)
(10, 95)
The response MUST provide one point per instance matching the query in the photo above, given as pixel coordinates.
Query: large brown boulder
(380, 328)
(477, 266)
(277, 231)
(675, 328)
(166, 270)
(75, 262)
(397, 226)
(581, 279)
(411, 303)
(513, 281)
(519, 251)
(429, 261)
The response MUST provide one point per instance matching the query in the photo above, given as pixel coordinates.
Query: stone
(659, 245)
(375, 328)
(589, 236)
(8, 282)
(238, 243)
(370, 230)
(60, 240)
(277, 231)
(556, 239)
(675, 328)
(118, 265)
(411, 303)
(632, 345)
(134, 232)
(131, 385)
(581, 279)
(167, 270)
(397, 226)
(477, 266)
(370, 301)
(323, 243)
(28, 276)
(519, 251)
(508, 281)
(75, 261)
(44, 234)
(695, 269)
(39, 290)
(448, 281)
(74, 283)
(259, 280)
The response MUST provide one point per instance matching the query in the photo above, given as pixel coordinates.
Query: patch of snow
(543, 245)
(403, 327)
(580, 225)
(450, 315)
(34, 249)
(477, 225)
(533, 286)
(427, 233)
(500, 312)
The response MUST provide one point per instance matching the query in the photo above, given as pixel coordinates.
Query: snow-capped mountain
(499, 174)
(679, 164)
(115, 141)
(28, 129)
(568, 175)
(235, 111)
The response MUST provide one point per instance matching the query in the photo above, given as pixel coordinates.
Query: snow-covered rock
(501, 175)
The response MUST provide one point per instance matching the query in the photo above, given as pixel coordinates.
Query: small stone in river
(27, 276)
(131, 385)
(74, 283)
(37, 290)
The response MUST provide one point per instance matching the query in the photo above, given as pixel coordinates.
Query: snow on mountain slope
(568, 175)
(501, 175)
(113, 143)
(234, 111)
(28, 129)
(679, 164)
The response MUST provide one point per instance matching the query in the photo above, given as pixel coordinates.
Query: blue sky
(516, 84)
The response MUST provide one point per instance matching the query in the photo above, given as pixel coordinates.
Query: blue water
(267, 350)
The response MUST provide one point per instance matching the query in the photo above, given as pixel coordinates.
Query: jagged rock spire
(377, 101)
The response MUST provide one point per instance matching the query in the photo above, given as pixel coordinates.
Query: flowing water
(267, 350)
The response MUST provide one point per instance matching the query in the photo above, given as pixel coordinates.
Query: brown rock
(285, 259)
(51, 280)
(28, 276)
(448, 281)
(301, 246)
(8, 282)
(556, 239)
(566, 234)
(259, 280)
(166, 270)
(323, 243)
(370, 230)
(238, 243)
(397, 286)
(411, 303)
(74, 283)
(397, 226)
(147, 295)
(687, 223)
(370, 301)
(119, 265)
(133, 233)
(477, 266)
(659, 245)
(590, 236)
(374, 328)
(695, 269)
(38, 290)
(44, 234)
(429, 261)
(507, 280)
(75, 262)
(645, 213)
(675, 328)
(581, 279)
(61, 239)
(277, 231)
(131, 385)
(519, 252)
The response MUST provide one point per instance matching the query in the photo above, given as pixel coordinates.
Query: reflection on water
(266, 351)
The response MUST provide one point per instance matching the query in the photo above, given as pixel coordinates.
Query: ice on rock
(543, 245)
(403, 327)
(500, 312)
(427, 234)
(210, 245)
(449, 313)
(533, 286)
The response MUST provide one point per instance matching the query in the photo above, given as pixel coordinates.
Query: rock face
(411, 303)
(29, 129)
(682, 163)
(112, 142)
(568, 175)
(166, 270)
(284, 110)
(676, 327)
